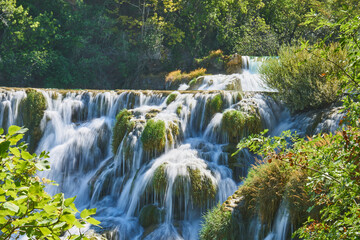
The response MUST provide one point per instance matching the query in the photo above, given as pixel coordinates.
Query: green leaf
(68, 218)
(69, 201)
(87, 212)
(92, 221)
(13, 129)
(45, 231)
(15, 151)
(1, 131)
(11, 206)
(26, 155)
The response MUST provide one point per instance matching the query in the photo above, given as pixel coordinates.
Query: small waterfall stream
(142, 194)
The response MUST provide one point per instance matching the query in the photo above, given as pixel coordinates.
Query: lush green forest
(109, 44)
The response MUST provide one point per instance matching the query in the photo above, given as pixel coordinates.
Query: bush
(216, 225)
(25, 208)
(175, 78)
(304, 79)
(153, 136)
(122, 126)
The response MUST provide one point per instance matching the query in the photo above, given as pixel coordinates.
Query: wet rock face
(151, 215)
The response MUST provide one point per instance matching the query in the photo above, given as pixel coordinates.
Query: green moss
(171, 98)
(238, 124)
(32, 110)
(215, 104)
(122, 126)
(202, 188)
(153, 136)
(178, 110)
(159, 180)
(151, 215)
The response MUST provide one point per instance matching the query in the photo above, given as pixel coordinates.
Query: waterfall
(158, 193)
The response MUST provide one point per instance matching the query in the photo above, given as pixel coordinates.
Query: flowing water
(156, 194)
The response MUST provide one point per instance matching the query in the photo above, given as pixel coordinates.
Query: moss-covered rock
(32, 111)
(122, 126)
(203, 189)
(238, 124)
(178, 110)
(215, 105)
(151, 215)
(171, 98)
(159, 181)
(153, 136)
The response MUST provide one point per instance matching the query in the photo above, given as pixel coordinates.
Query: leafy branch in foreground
(25, 207)
(332, 163)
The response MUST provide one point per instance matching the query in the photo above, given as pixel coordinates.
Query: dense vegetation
(326, 167)
(106, 44)
(26, 209)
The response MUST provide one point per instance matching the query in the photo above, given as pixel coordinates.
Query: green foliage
(332, 166)
(153, 136)
(217, 224)
(239, 124)
(122, 126)
(32, 111)
(25, 207)
(171, 98)
(203, 189)
(304, 80)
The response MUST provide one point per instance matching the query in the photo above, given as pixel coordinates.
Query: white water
(77, 130)
(249, 80)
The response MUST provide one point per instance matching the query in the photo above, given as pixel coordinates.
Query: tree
(25, 207)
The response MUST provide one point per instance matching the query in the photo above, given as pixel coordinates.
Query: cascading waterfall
(158, 193)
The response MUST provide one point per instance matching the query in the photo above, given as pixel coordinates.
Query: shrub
(175, 78)
(32, 111)
(153, 136)
(304, 79)
(26, 209)
(122, 126)
(216, 225)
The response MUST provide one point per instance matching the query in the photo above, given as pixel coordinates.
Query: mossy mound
(202, 187)
(172, 132)
(171, 98)
(238, 124)
(32, 111)
(122, 126)
(159, 180)
(214, 105)
(151, 215)
(153, 136)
